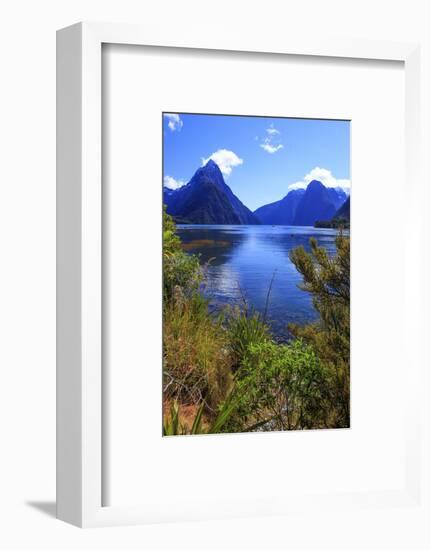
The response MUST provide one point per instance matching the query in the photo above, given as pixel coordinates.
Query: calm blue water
(243, 264)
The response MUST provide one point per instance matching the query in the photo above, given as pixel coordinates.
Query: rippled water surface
(242, 261)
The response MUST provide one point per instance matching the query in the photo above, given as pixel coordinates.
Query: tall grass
(245, 327)
(197, 360)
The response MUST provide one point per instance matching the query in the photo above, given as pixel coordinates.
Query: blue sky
(261, 157)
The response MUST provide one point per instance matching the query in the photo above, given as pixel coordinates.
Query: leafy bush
(171, 241)
(179, 269)
(280, 387)
(183, 271)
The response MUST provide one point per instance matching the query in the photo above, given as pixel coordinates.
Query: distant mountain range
(207, 199)
(303, 206)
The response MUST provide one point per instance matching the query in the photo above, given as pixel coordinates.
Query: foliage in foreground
(180, 270)
(281, 387)
(228, 370)
(172, 424)
(327, 279)
(197, 362)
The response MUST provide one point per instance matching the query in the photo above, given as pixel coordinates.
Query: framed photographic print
(226, 281)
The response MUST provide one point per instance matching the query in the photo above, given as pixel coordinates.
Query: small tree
(327, 279)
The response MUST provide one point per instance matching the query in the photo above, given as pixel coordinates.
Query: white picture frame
(79, 259)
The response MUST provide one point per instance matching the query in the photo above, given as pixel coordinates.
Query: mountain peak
(208, 199)
(315, 184)
(317, 204)
(212, 167)
(209, 171)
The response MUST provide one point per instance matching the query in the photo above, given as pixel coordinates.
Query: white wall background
(27, 269)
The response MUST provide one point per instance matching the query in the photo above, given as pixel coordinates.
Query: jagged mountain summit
(207, 199)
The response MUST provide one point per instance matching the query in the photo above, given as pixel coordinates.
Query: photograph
(256, 273)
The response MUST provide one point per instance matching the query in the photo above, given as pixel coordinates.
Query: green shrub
(171, 241)
(179, 269)
(183, 271)
(280, 387)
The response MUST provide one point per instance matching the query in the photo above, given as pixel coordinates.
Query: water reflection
(242, 260)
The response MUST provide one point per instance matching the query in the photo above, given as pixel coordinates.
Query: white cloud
(272, 131)
(271, 143)
(174, 121)
(323, 175)
(172, 183)
(271, 148)
(225, 159)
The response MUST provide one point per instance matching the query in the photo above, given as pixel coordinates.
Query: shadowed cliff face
(316, 204)
(206, 199)
(344, 210)
(281, 212)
